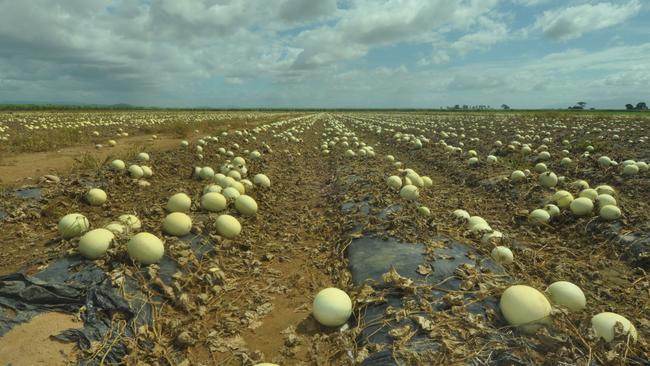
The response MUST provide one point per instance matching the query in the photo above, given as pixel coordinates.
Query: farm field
(429, 222)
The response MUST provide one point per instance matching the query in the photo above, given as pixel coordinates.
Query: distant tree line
(579, 106)
(469, 107)
(63, 107)
(641, 106)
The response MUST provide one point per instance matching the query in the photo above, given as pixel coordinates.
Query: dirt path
(16, 168)
(17, 347)
(297, 227)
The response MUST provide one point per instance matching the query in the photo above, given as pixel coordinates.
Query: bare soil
(24, 167)
(30, 343)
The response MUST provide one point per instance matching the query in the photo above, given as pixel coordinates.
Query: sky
(326, 53)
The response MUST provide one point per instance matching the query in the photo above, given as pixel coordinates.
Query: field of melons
(329, 239)
(27, 131)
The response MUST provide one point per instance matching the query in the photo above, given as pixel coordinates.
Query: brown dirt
(16, 168)
(30, 343)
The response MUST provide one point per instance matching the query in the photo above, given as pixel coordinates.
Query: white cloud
(490, 33)
(439, 57)
(475, 82)
(567, 23)
(531, 2)
(233, 81)
(372, 23)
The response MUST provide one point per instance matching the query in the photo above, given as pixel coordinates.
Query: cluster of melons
(601, 197)
(528, 309)
(143, 247)
(409, 184)
(629, 168)
(136, 171)
(229, 187)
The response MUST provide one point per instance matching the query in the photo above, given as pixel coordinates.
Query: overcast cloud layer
(326, 53)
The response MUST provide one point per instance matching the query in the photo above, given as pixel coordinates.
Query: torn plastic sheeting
(370, 257)
(72, 282)
(66, 286)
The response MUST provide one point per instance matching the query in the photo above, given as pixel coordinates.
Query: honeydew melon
(73, 225)
(180, 202)
(539, 216)
(332, 307)
(147, 172)
(590, 193)
(230, 193)
(548, 179)
(525, 307)
(394, 182)
(631, 170)
(246, 205)
(409, 192)
(479, 228)
(118, 165)
(603, 326)
(580, 184)
(568, 295)
(502, 255)
(248, 185)
(96, 197)
(605, 199)
(262, 180)
(95, 243)
(212, 188)
(145, 248)
(227, 226)
(552, 210)
(461, 215)
(517, 176)
(424, 211)
(136, 171)
(605, 189)
(563, 199)
(234, 174)
(582, 206)
(177, 224)
(238, 186)
(604, 161)
(206, 172)
(610, 213)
